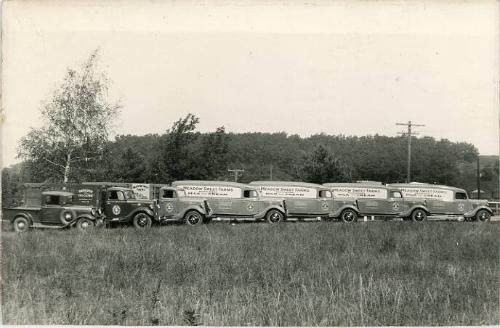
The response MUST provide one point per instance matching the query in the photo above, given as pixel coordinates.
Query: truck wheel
(21, 224)
(274, 216)
(349, 216)
(84, 224)
(142, 221)
(483, 215)
(193, 218)
(418, 215)
(67, 216)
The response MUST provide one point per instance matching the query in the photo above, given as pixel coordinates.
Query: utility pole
(478, 177)
(409, 133)
(236, 173)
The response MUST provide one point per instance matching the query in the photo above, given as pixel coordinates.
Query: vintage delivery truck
(54, 208)
(308, 200)
(446, 200)
(232, 199)
(174, 205)
(380, 201)
(104, 201)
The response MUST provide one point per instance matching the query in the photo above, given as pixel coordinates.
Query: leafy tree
(322, 166)
(130, 167)
(77, 120)
(175, 161)
(213, 155)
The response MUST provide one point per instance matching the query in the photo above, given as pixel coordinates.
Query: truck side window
(249, 193)
(460, 195)
(396, 194)
(116, 195)
(168, 194)
(51, 200)
(325, 194)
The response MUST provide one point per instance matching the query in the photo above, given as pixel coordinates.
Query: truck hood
(479, 202)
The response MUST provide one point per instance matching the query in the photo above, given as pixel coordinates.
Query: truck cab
(173, 205)
(120, 205)
(54, 209)
(380, 200)
(447, 200)
(234, 200)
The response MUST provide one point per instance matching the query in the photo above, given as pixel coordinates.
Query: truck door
(394, 203)
(51, 209)
(460, 205)
(324, 203)
(248, 205)
(169, 203)
(115, 206)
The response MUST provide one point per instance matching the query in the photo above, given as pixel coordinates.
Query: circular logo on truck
(169, 207)
(395, 206)
(324, 206)
(461, 207)
(116, 209)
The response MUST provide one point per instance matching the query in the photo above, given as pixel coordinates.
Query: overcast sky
(353, 68)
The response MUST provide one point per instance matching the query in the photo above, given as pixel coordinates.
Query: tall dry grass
(382, 273)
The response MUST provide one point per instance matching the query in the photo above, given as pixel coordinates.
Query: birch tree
(76, 123)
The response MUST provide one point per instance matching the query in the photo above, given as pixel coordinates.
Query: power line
(409, 133)
(236, 173)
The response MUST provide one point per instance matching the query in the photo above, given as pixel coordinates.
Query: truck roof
(424, 185)
(57, 193)
(120, 188)
(358, 185)
(287, 183)
(211, 183)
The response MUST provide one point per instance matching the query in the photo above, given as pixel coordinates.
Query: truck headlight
(93, 211)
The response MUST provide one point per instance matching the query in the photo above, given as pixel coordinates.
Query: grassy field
(320, 273)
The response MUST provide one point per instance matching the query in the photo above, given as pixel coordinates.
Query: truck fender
(474, 211)
(145, 210)
(25, 215)
(62, 216)
(87, 216)
(263, 213)
(408, 212)
(197, 208)
(337, 213)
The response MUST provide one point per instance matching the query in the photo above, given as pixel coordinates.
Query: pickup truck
(55, 209)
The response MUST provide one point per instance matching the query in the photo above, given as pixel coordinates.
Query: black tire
(349, 215)
(67, 216)
(275, 216)
(84, 224)
(21, 224)
(483, 216)
(418, 215)
(193, 218)
(142, 221)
